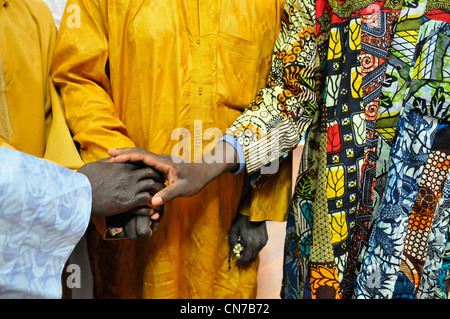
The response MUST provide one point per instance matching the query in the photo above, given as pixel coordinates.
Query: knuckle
(146, 198)
(145, 233)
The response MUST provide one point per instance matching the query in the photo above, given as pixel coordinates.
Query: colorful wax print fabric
(407, 247)
(381, 78)
(412, 87)
(412, 225)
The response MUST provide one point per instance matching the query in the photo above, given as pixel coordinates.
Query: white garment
(44, 211)
(57, 8)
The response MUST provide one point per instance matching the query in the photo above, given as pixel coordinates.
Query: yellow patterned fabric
(131, 72)
(38, 126)
(284, 109)
(324, 278)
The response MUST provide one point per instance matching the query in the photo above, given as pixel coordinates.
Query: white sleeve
(44, 211)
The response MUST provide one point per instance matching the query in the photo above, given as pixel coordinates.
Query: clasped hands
(129, 188)
(122, 193)
(134, 180)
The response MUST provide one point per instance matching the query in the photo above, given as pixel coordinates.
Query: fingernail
(157, 201)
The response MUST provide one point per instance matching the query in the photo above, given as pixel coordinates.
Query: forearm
(222, 159)
(79, 70)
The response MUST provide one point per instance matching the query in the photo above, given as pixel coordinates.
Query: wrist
(230, 161)
(223, 159)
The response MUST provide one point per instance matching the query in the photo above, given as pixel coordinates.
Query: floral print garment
(366, 83)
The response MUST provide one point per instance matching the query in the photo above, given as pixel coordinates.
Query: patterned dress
(366, 83)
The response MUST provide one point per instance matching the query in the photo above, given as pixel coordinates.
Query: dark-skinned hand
(134, 225)
(124, 187)
(185, 179)
(253, 238)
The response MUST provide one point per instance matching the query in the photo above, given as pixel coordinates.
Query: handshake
(129, 188)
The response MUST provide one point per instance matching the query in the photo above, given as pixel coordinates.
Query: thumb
(169, 193)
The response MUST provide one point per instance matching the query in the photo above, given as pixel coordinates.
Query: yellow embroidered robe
(131, 72)
(32, 118)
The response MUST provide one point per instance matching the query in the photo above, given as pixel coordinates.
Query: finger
(117, 151)
(130, 229)
(129, 155)
(150, 173)
(152, 160)
(134, 155)
(177, 189)
(143, 226)
(150, 186)
(141, 199)
(233, 237)
(154, 226)
(142, 211)
(160, 211)
(248, 255)
(157, 217)
(155, 221)
(142, 171)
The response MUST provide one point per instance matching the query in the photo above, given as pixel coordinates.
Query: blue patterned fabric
(386, 245)
(44, 211)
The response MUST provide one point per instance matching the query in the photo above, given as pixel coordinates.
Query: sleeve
(44, 211)
(60, 147)
(271, 202)
(79, 70)
(5, 122)
(56, 144)
(240, 152)
(276, 120)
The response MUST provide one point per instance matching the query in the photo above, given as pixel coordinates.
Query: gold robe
(144, 73)
(32, 117)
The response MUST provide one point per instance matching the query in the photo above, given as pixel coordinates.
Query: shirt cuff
(240, 152)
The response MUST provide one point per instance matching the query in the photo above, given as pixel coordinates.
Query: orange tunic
(32, 117)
